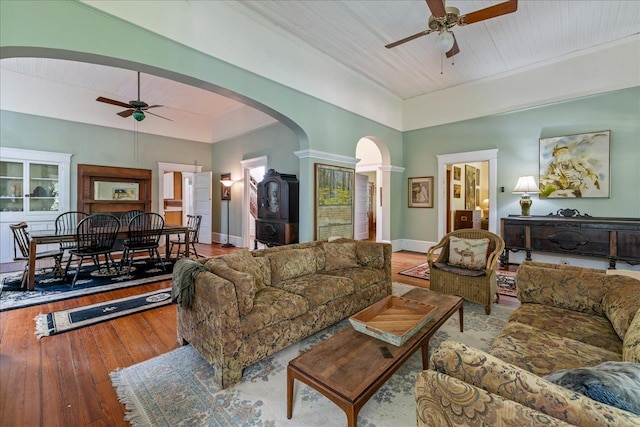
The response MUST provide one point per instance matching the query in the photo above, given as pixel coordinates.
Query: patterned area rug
(78, 317)
(49, 288)
(177, 388)
(506, 279)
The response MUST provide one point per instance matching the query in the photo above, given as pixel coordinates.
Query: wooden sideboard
(616, 239)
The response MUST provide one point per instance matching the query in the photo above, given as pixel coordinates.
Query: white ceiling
(350, 33)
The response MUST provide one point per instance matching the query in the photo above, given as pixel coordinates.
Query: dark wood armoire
(277, 222)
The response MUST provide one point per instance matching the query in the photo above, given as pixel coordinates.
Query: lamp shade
(444, 41)
(526, 185)
(138, 115)
(227, 182)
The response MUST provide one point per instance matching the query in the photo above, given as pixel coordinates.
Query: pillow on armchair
(468, 253)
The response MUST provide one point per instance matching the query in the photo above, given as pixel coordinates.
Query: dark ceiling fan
(444, 18)
(135, 108)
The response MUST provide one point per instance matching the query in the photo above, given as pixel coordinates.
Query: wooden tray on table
(393, 319)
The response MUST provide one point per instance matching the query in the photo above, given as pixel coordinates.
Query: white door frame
(247, 165)
(171, 167)
(469, 157)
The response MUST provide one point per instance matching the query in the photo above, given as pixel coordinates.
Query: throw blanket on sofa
(184, 274)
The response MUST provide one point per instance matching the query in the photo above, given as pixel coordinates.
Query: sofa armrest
(572, 288)
(485, 371)
(442, 400)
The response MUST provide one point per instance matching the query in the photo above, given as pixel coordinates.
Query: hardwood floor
(63, 380)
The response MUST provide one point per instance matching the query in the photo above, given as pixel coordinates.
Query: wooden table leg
(31, 278)
(425, 355)
(352, 416)
(166, 247)
(461, 318)
(186, 244)
(289, 394)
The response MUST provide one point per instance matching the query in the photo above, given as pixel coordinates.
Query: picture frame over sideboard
(575, 166)
(421, 192)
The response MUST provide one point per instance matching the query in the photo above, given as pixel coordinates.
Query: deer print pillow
(468, 253)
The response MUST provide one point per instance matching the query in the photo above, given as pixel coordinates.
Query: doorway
(253, 171)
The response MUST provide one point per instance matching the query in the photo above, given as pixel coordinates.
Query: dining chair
(193, 223)
(22, 240)
(143, 234)
(68, 221)
(95, 236)
(126, 217)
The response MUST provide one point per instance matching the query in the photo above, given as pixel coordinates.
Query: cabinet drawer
(276, 232)
(514, 236)
(576, 240)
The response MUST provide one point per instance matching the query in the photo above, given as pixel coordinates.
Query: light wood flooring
(63, 380)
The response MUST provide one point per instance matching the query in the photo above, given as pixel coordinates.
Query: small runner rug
(506, 279)
(178, 388)
(74, 318)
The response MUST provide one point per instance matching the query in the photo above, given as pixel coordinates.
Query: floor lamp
(227, 182)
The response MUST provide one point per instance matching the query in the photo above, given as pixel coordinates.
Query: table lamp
(526, 185)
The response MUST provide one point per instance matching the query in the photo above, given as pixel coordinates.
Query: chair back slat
(193, 223)
(21, 240)
(97, 232)
(68, 221)
(145, 228)
(128, 215)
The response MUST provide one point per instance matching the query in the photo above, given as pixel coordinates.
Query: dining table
(42, 237)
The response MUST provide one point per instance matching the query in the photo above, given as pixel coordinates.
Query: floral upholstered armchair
(466, 265)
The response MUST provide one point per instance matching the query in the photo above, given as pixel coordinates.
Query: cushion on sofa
(370, 255)
(244, 283)
(287, 264)
(318, 289)
(272, 306)
(468, 253)
(258, 267)
(612, 383)
(621, 302)
(631, 342)
(362, 277)
(340, 255)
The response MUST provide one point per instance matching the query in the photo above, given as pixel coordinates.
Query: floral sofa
(569, 318)
(248, 305)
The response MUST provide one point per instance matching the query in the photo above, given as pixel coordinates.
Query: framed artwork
(457, 190)
(334, 191)
(225, 192)
(456, 173)
(421, 192)
(575, 165)
(470, 187)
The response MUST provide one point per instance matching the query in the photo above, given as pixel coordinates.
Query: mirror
(108, 190)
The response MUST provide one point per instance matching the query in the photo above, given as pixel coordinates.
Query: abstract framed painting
(575, 166)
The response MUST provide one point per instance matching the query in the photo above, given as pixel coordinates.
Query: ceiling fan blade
(152, 106)
(436, 7)
(113, 102)
(126, 113)
(157, 115)
(454, 50)
(489, 12)
(408, 39)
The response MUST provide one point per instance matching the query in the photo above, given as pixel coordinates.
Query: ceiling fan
(444, 18)
(135, 108)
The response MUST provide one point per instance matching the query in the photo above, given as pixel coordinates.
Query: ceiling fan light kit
(138, 115)
(445, 41)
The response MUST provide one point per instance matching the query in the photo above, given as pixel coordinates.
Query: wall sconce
(227, 182)
(526, 185)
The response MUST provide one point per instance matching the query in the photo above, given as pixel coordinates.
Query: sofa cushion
(542, 352)
(258, 267)
(318, 289)
(583, 327)
(468, 253)
(340, 255)
(270, 306)
(631, 342)
(612, 383)
(361, 277)
(287, 264)
(370, 254)
(244, 283)
(621, 302)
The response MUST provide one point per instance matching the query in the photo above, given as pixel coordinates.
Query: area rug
(78, 317)
(178, 388)
(506, 279)
(49, 288)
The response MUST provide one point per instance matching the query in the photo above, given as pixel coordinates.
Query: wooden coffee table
(350, 367)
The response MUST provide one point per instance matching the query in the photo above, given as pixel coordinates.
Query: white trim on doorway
(247, 165)
(469, 157)
(171, 167)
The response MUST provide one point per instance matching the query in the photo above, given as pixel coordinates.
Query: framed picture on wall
(469, 187)
(457, 190)
(456, 173)
(575, 165)
(421, 192)
(334, 198)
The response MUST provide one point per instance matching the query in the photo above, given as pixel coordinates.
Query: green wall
(97, 145)
(516, 136)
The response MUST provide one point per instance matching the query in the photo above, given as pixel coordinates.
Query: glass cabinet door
(11, 182)
(44, 183)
